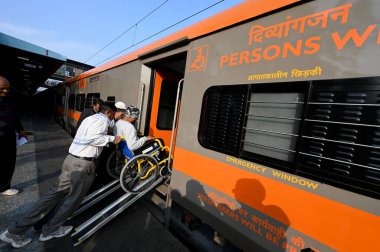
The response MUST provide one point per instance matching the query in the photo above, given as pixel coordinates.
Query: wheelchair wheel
(164, 170)
(139, 173)
(115, 163)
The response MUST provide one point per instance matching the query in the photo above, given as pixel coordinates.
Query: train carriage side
(91, 82)
(277, 145)
(122, 83)
(67, 105)
(149, 83)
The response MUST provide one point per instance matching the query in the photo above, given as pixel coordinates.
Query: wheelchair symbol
(199, 57)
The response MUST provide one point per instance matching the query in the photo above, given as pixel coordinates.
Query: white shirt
(128, 131)
(91, 137)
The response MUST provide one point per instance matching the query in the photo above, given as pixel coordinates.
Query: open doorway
(167, 73)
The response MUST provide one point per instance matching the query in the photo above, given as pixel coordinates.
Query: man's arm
(133, 141)
(93, 132)
(98, 134)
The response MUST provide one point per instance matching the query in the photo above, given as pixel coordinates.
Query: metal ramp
(93, 224)
(96, 197)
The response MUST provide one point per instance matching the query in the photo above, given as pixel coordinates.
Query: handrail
(179, 89)
(142, 88)
(168, 203)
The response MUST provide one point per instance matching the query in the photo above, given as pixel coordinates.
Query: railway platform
(38, 164)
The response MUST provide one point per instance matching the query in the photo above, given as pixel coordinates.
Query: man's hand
(117, 139)
(150, 137)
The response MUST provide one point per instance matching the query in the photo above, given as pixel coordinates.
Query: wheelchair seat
(155, 148)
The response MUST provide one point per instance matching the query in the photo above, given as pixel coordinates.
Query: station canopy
(25, 65)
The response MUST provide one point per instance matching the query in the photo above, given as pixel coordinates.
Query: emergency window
(324, 130)
(341, 137)
(222, 118)
(273, 122)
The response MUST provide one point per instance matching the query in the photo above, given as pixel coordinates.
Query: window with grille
(79, 104)
(273, 121)
(325, 130)
(341, 137)
(223, 118)
(91, 97)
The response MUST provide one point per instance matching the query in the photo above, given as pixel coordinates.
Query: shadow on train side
(223, 212)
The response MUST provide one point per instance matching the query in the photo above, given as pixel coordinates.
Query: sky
(79, 29)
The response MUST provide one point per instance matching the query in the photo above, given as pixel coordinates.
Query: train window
(72, 101)
(325, 130)
(341, 140)
(222, 118)
(272, 124)
(79, 104)
(111, 98)
(90, 99)
(166, 107)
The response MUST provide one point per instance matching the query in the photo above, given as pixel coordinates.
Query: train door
(167, 76)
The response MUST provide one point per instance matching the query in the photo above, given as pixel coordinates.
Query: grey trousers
(64, 197)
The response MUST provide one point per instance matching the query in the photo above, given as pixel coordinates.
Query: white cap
(120, 106)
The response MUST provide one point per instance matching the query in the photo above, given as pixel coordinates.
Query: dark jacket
(86, 113)
(9, 118)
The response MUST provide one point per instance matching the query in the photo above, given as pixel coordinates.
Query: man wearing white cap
(120, 110)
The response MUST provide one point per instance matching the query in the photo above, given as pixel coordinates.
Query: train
(271, 110)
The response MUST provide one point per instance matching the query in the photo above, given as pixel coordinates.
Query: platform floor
(38, 165)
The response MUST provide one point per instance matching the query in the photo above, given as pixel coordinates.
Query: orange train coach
(276, 139)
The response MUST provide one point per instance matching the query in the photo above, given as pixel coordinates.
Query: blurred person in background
(10, 125)
(95, 108)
